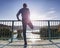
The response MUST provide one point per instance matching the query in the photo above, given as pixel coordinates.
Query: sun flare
(34, 16)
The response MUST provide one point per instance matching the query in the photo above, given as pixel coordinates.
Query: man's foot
(25, 44)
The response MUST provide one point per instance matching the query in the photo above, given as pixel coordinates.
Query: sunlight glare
(34, 16)
(32, 38)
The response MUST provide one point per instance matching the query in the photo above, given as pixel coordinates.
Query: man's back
(25, 13)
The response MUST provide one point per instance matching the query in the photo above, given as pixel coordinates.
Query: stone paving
(31, 44)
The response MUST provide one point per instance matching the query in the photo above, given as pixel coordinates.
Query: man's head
(24, 5)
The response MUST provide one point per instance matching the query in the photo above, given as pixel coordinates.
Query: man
(25, 13)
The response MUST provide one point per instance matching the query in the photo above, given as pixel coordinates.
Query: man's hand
(18, 19)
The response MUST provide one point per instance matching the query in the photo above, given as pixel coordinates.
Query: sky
(39, 9)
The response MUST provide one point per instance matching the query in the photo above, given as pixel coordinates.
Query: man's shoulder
(21, 8)
(24, 8)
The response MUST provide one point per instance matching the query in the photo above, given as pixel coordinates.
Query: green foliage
(5, 32)
(44, 33)
(54, 33)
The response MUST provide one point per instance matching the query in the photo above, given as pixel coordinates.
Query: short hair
(24, 5)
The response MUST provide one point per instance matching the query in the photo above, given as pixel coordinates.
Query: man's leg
(24, 34)
(30, 25)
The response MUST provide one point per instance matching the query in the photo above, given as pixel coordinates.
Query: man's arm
(17, 15)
